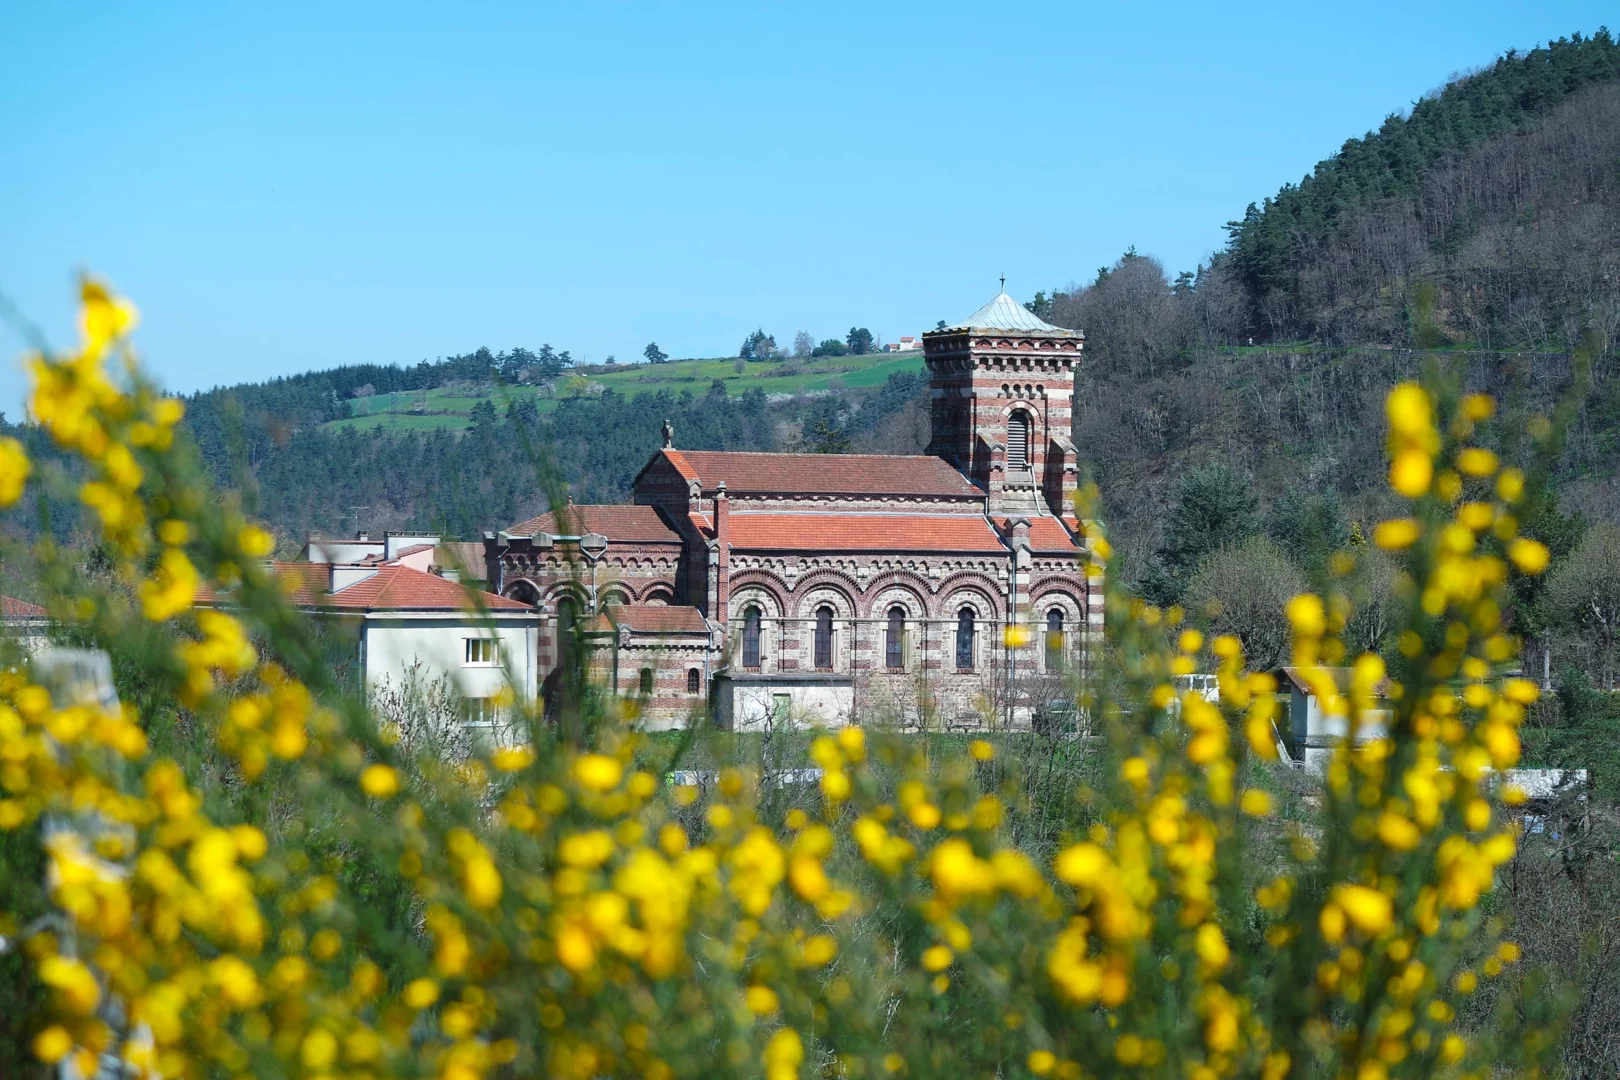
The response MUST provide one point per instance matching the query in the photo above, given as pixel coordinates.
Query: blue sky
(283, 187)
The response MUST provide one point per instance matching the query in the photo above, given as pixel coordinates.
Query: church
(939, 591)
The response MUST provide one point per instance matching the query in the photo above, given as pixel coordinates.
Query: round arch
(823, 582)
(970, 583)
(908, 582)
(524, 591)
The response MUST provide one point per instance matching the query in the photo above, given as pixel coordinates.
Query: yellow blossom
(1368, 909)
(761, 1000)
(52, 1044)
(1396, 534)
(598, 772)
(14, 471)
(1411, 472)
(379, 781)
(783, 1055)
(1530, 556)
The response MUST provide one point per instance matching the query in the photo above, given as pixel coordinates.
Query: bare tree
(803, 343)
(1583, 595)
(1243, 589)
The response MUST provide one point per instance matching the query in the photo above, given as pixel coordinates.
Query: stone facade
(937, 590)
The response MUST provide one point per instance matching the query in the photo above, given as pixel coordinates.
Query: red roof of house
(863, 532)
(654, 619)
(13, 608)
(631, 524)
(823, 474)
(402, 588)
(390, 588)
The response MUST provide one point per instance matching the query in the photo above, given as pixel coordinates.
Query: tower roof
(1005, 313)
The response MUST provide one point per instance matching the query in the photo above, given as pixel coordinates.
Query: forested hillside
(1486, 215)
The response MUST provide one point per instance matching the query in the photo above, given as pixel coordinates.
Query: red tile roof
(654, 619)
(13, 608)
(631, 524)
(304, 583)
(863, 532)
(390, 588)
(823, 474)
(401, 588)
(1045, 534)
(701, 524)
(464, 555)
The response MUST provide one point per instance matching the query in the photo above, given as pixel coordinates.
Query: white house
(406, 620)
(1307, 731)
(28, 624)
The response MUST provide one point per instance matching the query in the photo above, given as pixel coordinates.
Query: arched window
(1054, 640)
(964, 639)
(523, 592)
(894, 647)
(1018, 440)
(824, 638)
(694, 680)
(646, 681)
(751, 622)
(567, 616)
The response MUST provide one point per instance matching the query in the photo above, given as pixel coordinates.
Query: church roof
(627, 524)
(823, 474)
(863, 532)
(1046, 534)
(1005, 313)
(653, 619)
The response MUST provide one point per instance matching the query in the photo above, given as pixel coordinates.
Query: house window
(824, 638)
(894, 645)
(479, 716)
(480, 651)
(1018, 440)
(694, 680)
(751, 622)
(646, 681)
(964, 640)
(1054, 640)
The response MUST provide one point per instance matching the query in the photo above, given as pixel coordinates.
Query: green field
(449, 407)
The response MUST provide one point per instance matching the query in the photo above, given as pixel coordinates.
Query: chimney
(722, 536)
(362, 535)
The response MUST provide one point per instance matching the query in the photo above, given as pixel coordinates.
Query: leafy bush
(262, 878)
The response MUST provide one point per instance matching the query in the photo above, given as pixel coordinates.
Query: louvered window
(1018, 441)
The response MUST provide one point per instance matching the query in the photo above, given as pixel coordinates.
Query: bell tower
(1002, 384)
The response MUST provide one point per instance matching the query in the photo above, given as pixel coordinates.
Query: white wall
(809, 706)
(393, 643)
